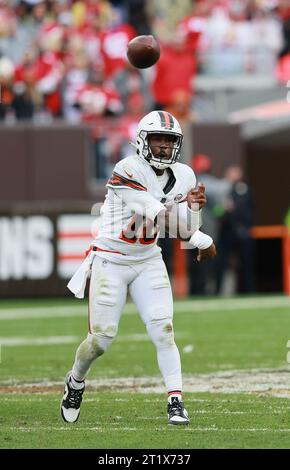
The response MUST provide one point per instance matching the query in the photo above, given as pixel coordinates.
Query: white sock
(169, 365)
(76, 384)
(174, 395)
(89, 350)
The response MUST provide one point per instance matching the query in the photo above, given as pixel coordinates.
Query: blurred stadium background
(70, 103)
(69, 107)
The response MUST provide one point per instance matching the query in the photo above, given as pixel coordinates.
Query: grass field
(236, 377)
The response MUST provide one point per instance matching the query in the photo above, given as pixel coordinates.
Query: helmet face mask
(158, 122)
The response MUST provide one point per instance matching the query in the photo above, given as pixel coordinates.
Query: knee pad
(90, 348)
(161, 333)
(103, 335)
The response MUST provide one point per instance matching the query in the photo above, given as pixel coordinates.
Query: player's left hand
(196, 198)
(208, 253)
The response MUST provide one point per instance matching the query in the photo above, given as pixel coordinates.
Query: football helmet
(158, 122)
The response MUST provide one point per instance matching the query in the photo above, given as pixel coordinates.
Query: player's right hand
(196, 198)
(208, 253)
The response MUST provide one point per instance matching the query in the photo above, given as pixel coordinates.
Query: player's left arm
(196, 200)
(205, 245)
(191, 210)
(184, 218)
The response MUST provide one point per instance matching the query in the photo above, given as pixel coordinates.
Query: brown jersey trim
(118, 181)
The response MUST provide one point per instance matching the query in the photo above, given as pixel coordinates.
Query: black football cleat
(177, 414)
(71, 402)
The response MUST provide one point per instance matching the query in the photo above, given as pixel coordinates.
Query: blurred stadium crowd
(67, 59)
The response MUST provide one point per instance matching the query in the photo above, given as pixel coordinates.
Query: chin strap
(152, 162)
(133, 144)
(158, 167)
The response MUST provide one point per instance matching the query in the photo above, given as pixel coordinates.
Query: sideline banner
(40, 252)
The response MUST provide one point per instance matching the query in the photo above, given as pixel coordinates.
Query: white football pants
(150, 289)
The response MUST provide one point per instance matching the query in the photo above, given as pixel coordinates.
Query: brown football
(143, 51)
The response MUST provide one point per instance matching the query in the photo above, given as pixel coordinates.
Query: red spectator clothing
(95, 101)
(50, 28)
(6, 95)
(284, 12)
(46, 73)
(92, 39)
(283, 69)
(128, 126)
(192, 27)
(103, 127)
(174, 71)
(7, 13)
(114, 48)
(225, 4)
(93, 45)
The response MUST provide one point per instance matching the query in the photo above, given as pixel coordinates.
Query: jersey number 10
(140, 230)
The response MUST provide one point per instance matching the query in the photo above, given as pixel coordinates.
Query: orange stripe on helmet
(167, 120)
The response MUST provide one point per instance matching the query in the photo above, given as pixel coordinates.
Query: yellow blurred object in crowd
(79, 12)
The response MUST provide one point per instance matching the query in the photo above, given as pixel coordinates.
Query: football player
(143, 191)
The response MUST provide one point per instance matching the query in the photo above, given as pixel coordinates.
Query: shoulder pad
(128, 174)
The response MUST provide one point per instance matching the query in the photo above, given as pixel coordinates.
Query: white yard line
(273, 382)
(42, 312)
(69, 428)
(190, 305)
(51, 340)
(163, 428)
(44, 341)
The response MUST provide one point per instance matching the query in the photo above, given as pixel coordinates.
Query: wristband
(188, 219)
(194, 218)
(200, 240)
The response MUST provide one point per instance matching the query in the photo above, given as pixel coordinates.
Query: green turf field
(236, 377)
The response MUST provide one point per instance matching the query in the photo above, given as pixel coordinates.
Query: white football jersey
(127, 232)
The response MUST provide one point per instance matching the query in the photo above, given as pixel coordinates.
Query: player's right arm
(128, 183)
(129, 186)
